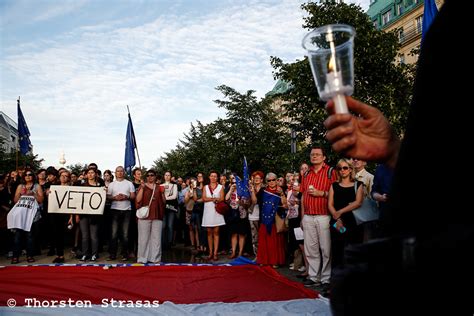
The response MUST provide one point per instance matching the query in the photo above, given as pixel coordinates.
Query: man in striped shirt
(315, 218)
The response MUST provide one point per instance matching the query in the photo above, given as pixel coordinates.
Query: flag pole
(18, 140)
(136, 147)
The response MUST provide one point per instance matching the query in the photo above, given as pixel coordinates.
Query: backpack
(329, 173)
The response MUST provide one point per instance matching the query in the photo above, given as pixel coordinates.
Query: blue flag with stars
(130, 146)
(243, 184)
(23, 132)
(270, 205)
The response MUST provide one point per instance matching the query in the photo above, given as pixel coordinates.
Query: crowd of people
(318, 199)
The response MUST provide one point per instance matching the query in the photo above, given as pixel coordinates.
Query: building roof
(9, 121)
(280, 87)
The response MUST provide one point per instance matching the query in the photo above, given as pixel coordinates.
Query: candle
(334, 78)
(334, 86)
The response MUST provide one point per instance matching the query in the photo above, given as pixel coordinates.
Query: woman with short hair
(150, 228)
(271, 245)
(213, 193)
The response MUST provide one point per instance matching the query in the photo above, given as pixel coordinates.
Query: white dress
(210, 217)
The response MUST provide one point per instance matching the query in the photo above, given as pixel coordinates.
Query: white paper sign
(76, 200)
(298, 233)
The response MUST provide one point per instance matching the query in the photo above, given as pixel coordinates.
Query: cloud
(75, 86)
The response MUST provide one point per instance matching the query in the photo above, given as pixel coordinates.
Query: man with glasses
(315, 187)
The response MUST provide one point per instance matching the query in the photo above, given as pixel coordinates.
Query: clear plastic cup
(331, 56)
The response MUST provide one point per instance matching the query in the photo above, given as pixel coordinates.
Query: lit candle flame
(331, 64)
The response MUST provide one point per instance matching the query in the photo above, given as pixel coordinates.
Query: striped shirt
(317, 205)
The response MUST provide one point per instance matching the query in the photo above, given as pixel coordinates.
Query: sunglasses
(28, 174)
(150, 175)
(271, 180)
(343, 168)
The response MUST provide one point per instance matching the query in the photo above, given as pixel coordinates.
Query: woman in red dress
(271, 201)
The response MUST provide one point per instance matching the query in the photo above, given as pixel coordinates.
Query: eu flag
(243, 185)
(23, 132)
(429, 14)
(130, 146)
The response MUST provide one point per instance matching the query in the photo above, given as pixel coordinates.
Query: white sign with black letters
(76, 200)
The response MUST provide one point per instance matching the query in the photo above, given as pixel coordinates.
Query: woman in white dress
(212, 194)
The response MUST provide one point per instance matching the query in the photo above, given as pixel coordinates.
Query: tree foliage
(77, 168)
(379, 81)
(10, 161)
(251, 128)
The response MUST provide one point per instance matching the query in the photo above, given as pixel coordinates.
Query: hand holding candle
(330, 53)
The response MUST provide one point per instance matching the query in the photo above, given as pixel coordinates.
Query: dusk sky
(78, 64)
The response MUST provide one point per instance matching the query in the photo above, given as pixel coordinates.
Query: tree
(8, 161)
(378, 80)
(77, 168)
(251, 128)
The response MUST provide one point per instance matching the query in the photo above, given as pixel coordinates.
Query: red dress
(271, 247)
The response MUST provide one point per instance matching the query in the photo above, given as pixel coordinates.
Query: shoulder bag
(367, 212)
(143, 211)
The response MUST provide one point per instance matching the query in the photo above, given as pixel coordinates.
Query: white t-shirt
(125, 187)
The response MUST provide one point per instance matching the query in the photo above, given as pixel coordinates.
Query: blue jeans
(168, 227)
(120, 219)
(17, 242)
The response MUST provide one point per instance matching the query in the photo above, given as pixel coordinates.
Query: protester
(213, 193)
(28, 188)
(345, 195)
(150, 228)
(121, 192)
(271, 244)
(425, 261)
(90, 223)
(315, 218)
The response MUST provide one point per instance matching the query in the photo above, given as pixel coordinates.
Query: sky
(77, 64)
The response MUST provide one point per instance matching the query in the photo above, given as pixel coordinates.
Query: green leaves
(378, 80)
(250, 128)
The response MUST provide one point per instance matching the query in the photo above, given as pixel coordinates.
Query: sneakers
(302, 269)
(83, 258)
(310, 283)
(292, 266)
(94, 258)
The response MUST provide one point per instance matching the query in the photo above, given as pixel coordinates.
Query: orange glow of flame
(332, 64)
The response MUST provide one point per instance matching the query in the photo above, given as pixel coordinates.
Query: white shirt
(125, 187)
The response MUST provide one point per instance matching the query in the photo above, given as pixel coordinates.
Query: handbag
(143, 211)
(367, 212)
(222, 208)
(281, 224)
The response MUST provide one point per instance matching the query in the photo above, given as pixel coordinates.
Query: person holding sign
(21, 217)
(59, 224)
(90, 223)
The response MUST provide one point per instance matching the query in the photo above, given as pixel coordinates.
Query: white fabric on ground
(292, 307)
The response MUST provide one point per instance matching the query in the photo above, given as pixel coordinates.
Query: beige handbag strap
(152, 195)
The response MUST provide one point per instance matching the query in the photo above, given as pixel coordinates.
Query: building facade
(8, 133)
(406, 18)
